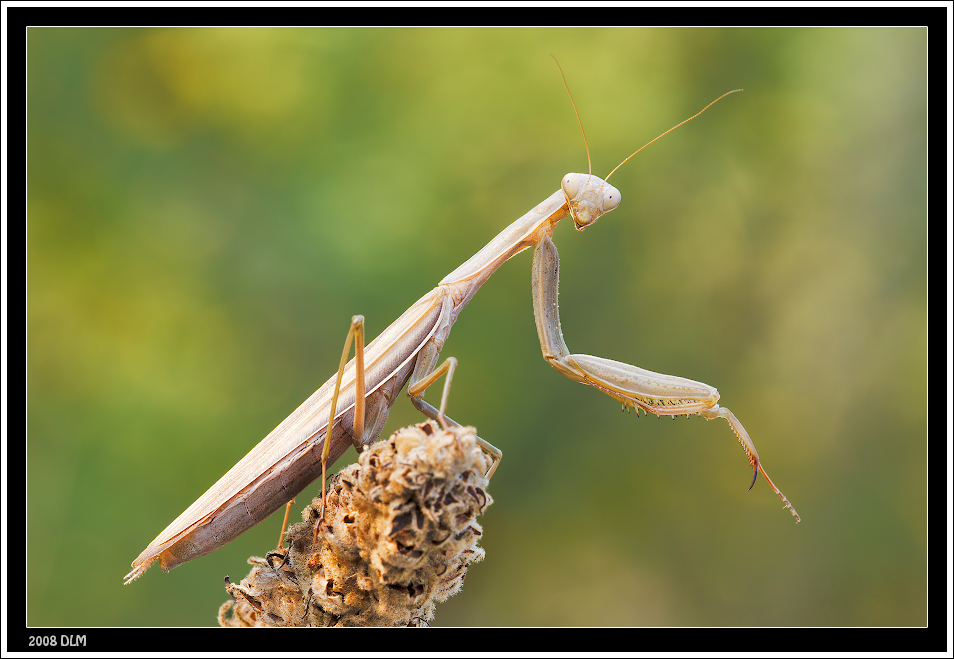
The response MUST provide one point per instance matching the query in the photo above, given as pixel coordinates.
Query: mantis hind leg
(355, 333)
(425, 375)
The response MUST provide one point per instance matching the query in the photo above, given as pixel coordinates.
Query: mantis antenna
(670, 130)
(588, 161)
(570, 94)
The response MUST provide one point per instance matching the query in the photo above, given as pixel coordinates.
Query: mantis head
(589, 197)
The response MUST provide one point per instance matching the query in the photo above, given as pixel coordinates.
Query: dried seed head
(399, 532)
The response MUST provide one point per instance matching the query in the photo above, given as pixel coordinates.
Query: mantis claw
(750, 451)
(754, 476)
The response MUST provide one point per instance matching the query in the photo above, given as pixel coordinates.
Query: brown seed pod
(398, 535)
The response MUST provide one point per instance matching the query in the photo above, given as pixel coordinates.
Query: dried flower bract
(399, 532)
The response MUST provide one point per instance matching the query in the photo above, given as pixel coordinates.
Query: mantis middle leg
(632, 386)
(424, 375)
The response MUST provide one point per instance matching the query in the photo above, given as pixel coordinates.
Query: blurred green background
(208, 208)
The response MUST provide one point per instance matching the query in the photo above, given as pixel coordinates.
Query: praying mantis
(351, 408)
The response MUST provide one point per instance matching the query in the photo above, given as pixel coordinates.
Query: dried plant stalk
(399, 532)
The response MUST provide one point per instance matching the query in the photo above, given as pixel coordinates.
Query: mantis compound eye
(571, 186)
(611, 198)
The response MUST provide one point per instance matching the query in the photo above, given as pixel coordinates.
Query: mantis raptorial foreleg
(632, 386)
